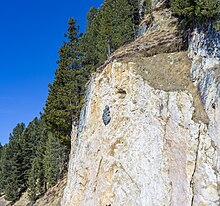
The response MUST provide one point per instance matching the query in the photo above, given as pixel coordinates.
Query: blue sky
(31, 32)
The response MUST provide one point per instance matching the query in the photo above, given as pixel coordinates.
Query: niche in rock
(122, 93)
(106, 115)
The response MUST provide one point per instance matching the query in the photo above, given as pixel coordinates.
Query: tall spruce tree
(11, 165)
(91, 15)
(90, 52)
(108, 28)
(36, 178)
(65, 97)
(122, 23)
(29, 143)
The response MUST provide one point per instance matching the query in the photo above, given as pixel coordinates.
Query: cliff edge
(149, 131)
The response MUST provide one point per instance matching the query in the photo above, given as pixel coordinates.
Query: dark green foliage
(135, 13)
(91, 15)
(192, 13)
(12, 160)
(54, 160)
(32, 181)
(65, 97)
(196, 11)
(108, 28)
(116, 26)
(148, 7)
(113, 25)
(23, 160)
(29, 142)
(36, 178)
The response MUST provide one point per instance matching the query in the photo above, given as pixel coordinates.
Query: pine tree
(29, 143)
(65, 97)
(40, 153)
(111, 27)
(135, 13)
(122, 24)
(35, 174)
(54, 160)
(91, 15)
(196, 11)
(90, 46)
(32, 182)
(11, 170)
(116, 27)
(148, 7)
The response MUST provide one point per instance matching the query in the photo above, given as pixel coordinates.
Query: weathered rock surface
(162, 145)
(204, 51)
(3, 202)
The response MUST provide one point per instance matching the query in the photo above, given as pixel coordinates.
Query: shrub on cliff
(192, 12)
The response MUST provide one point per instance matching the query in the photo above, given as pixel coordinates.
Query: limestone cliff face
(162, 143)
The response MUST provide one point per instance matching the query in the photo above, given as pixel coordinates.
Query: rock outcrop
(162, 145)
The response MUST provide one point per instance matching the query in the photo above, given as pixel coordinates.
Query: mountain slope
(161, 146)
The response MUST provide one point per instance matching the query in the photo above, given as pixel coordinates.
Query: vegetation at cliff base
(33, 160)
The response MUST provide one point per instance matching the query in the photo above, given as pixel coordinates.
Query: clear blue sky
(31, 32)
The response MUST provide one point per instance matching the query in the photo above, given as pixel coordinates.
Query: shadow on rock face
(106, 115)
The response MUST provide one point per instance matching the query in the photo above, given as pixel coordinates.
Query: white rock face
(204, 51)
(153, 152)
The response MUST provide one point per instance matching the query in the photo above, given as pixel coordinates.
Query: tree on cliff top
(108, 28)
(196, 11)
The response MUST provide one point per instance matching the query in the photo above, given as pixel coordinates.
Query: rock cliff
(160, 144)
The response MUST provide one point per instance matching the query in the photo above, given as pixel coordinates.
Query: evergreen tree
(1, 148)
(122, 24)
(91, 15)
(32, 182)
(65, 97)
(148, 9)
(40, 153)
(196, 11)
(29, 143)
(116, 27)
(11, 171)
(89, 42)
(34, 158)
(54, 160)
(111, 27)
(135, 13)
(36, 178)
(30, 160)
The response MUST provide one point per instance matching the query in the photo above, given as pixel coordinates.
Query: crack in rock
(192, 184)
